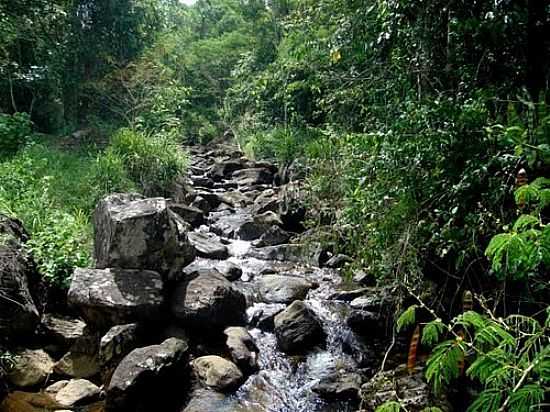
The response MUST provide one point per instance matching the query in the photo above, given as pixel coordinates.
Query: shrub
(53, 193)
(62, 244)
(151, 161)
(15, 131)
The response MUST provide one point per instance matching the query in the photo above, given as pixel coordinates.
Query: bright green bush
(54, 192)
(15, 131)
(151, 161)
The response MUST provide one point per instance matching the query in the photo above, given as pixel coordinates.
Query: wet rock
(243, 349)
(299, 253)
(19, 283)
(378, 300)
(116, 296)
(205, 400)
(229, 270)
(208, 245)
(399, 385)
(115, 345)
(365, 323)
(74, 392)
(213, 200)
(266, 201)
(292, 208)
(136, 233)
(183, 191)
(208, 299)
(200, 203)
(224, 169)
(297, 328)
(268, 218)
(282, 289)
(218, 373)
(253, 176)
(251, 230)
(339, 387)
(202, 181)
(62, 329)
(272, 237)
(234, 199)
(262, 315)
(145, 371)
(338, 261)
(192, 215)
(31, 368)
(82, 359)
(348, 295)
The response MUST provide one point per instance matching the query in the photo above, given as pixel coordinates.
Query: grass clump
(54, 192)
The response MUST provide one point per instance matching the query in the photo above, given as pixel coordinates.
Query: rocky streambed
(202, 302)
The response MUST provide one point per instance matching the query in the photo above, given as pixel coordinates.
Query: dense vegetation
(409, 119)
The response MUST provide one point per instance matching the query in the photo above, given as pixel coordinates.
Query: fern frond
(407, 318)
(487, 401)
(526, 398)
(525, 222)
(431, 409)
(493, 335)
(432, 332)
(443, 365)
(471, 320)
(390, 406)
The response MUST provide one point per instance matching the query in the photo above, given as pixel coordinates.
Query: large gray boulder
(19, 283)
(136, 233)
(108, 297)
(297, 328)
(218, 373)
(149, 378)
(283, 289)
(208, 299)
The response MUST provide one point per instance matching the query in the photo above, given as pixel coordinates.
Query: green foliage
(390, 406)
(151, 161)
(15, 131)
(432, 332)
(54, 192)
(510, 357)
(407, 318)
(525, 249)
(63, 246)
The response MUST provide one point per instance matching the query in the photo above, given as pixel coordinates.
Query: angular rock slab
(108, 297)
(73, 392)
(282, 289)
(208, 245)
(297, 328)
(115, 345)
(218, 373)
(339, 387)
(208, 301)
(31, 368)
(149, 378)
(136, 233)
(242, 347)
(19, 314)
